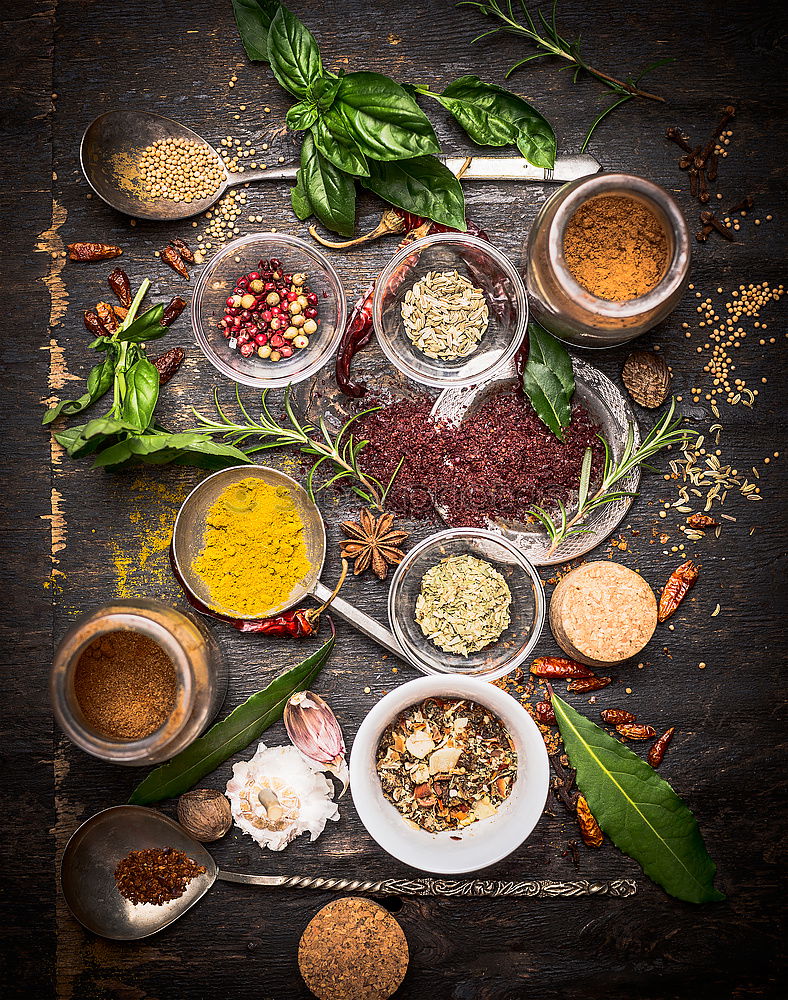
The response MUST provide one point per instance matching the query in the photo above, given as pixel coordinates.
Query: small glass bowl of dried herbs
(467, 601)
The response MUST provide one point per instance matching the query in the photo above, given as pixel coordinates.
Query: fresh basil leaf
(423, 186)
(92, 435)
(383, 118)
(142, 392)
(323, 90)
(253, 18)
(145, 327)
(489, 114)
(293, 53)
(639, 811)
(301, 116)
(548, 397)
(99, 381)
(544, 348)
(189, 448)
(242, 726)
(331, 192)
(299, 199)
(336, 144)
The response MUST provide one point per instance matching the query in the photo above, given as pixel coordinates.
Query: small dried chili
(588, 683)
(701, 521)
(544, 713)
(296, 624)
(107, 317)
(634, 731)
(167, 364)
(658, 747)
(171, 256)
(183, 249)
(558, 667)
(172, 310)
(93, 325)
(590, 830)
(119, 282)
(89, 252)
(617, 716)
(680, 582)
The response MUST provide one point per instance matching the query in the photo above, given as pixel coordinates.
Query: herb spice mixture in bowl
(492, 616)
(474, 323)
(463, 838)
(215, 295)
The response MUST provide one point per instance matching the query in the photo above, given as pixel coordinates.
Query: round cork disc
(353, 949)
(602, 613)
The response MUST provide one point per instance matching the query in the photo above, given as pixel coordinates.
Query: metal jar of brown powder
(136, 681)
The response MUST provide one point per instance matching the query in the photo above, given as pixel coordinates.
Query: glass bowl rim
(273, 381)
(430, 666)
(504, 262)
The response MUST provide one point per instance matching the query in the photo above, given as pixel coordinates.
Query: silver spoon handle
(366, 624)
(621, 887)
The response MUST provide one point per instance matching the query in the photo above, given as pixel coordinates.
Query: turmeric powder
(253, 549)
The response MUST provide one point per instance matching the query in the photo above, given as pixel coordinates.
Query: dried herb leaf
(549, 380)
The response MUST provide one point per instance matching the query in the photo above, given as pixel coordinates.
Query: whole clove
(703, 194)
(710, 219)
(693, 178)
(744, 205)
(689, 160)
(712, 167)
(675, 134)
(711, 145)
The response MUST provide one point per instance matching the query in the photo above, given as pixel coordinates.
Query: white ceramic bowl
(483, 842)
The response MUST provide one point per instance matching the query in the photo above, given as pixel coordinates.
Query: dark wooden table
(75, 538)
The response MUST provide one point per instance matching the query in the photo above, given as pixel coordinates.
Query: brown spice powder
(125, 685)
(616, 248)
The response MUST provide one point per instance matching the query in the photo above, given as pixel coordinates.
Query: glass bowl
(216, 282)
(489, 269)
(527, 608)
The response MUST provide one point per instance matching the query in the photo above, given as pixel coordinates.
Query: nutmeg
(205, 813)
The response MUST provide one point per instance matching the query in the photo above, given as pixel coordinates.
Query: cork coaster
(602, 613)
(353, 949)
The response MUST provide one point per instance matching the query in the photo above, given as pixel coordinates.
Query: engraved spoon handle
(440, 887)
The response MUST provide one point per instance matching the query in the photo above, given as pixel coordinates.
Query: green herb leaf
(145, 327)
(301, 116)
(243, 726)
(323, 90)
(547, 397)
(639, 811)
(253, 18)
(299, 198)
(493, 116)
(142, 392)
(293, 53)
(383, 118)
(332, 193)
(545, 348)
(163, 448)
(422, 185)
(87, 438)
(335, 143)
(99, 382)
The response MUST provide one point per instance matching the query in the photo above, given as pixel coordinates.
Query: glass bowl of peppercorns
(269, 310)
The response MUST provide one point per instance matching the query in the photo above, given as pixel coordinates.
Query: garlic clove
(314, 731)
(419, 744)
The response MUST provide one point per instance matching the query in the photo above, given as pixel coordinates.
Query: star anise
(372, 542)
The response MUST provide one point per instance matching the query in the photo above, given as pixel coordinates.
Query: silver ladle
(118, 136)
(87, 875)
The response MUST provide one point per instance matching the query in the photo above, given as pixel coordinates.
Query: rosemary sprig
(544, 34)
(667, 431)
(341, 450)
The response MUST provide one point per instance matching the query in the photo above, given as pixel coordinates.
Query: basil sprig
(367, 126)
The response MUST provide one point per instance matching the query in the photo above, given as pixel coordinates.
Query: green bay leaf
(242, 726)
(543, 347)
(637, 809)
(548, 397)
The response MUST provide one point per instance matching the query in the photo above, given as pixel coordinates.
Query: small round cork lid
(602, 613)
(353, 949)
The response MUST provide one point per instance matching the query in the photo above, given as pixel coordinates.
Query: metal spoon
(87, 875)
(116, 135)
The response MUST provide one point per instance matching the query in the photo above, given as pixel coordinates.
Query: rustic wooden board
(76, 538)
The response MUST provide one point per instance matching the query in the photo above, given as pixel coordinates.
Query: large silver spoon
(116, 137)
(87, 875)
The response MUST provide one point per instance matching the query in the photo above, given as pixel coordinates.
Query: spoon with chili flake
(113, 143)
(87, 876)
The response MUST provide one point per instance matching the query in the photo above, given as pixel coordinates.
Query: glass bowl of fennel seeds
(467, 601)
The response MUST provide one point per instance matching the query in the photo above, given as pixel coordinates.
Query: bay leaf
(637, 809)
(548, 397)
(547, 349)
(242, 726)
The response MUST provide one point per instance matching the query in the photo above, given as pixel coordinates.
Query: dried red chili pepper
(172, 310)
(93, 325)
(119, 282)
(590, 830)
(183, 249)
(658, 747)
(121, 312)
(634, 731)
(89, 252)
(701, 521)
(680, 582)
(589, 683)
(617, 716)
(167, 364)
(174, 259)
(544, 713)
(107, 317)
(558, 667)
